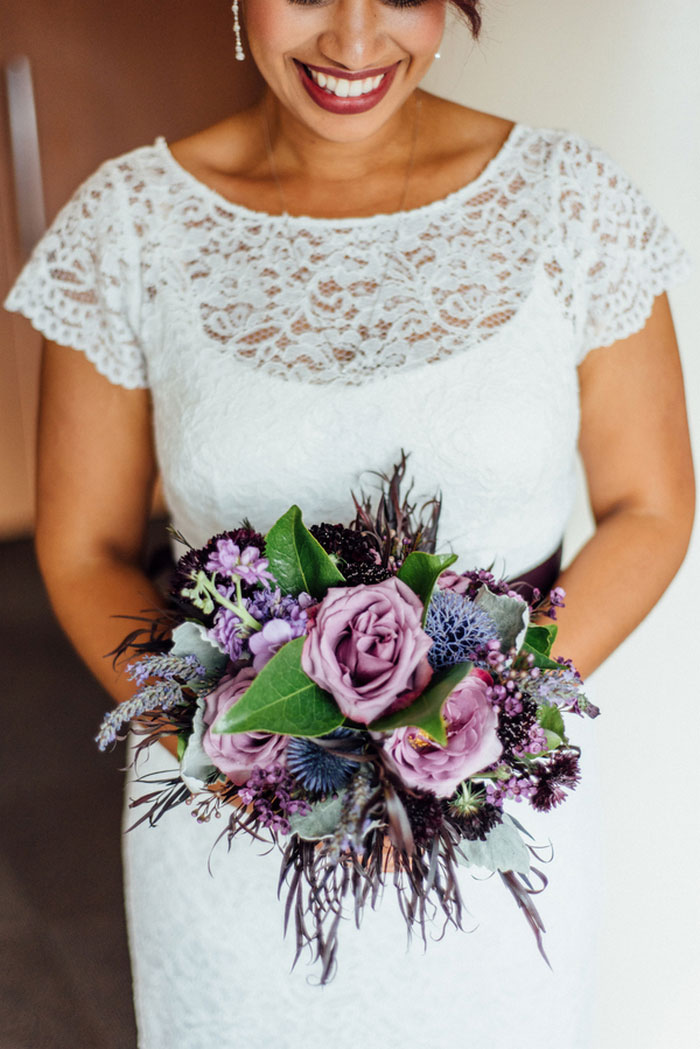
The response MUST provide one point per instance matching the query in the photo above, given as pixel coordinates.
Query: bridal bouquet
(344, 692)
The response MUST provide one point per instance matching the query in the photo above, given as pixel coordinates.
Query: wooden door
(106, 78)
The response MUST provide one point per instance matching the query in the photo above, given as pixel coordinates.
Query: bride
(274, 305)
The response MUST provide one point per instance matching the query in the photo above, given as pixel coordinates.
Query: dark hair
(470, 10)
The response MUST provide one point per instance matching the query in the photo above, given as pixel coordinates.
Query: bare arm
(95, 478)
(636, 452)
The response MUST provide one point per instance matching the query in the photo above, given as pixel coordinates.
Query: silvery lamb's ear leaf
(321, 822)
(510, 614)
(190, 639)
(503, 850)
(196, 768)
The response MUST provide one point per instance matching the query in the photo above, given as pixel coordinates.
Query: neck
(298, 151)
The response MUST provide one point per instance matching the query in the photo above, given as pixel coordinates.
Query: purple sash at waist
(541, 577)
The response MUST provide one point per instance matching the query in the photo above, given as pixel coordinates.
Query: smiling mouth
(351, 86)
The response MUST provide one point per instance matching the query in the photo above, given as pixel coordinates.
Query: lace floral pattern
(348, 301)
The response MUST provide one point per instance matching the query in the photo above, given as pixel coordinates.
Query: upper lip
(342, 74)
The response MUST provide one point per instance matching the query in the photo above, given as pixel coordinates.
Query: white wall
(626, 73)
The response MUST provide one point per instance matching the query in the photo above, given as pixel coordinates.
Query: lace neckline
(456, 197)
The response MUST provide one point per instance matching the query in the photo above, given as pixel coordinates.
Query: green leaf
(550, 719)
(503, 850)
(541, 661)
(540, 638)
(420, 571)
(321, 822)
(297, 561)
(554, 740)
(282, 699)
(426, 712)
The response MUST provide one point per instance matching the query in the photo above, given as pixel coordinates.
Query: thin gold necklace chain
(402, 203)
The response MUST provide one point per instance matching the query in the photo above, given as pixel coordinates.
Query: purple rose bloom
(237, 753)
(454, 581)
(472, 742)
(366, 646)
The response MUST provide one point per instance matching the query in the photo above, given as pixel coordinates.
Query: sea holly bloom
(236, 754)
(472, 742)
(366, 646)
(458, 627)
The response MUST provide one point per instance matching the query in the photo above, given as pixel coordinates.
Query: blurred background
(81, 81)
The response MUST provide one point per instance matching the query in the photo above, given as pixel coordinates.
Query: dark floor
(64, 970)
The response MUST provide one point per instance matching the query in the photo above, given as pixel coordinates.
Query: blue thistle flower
(317, 768)
(458, 627)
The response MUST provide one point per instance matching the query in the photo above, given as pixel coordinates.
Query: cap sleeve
(624, 255)
(80, 287)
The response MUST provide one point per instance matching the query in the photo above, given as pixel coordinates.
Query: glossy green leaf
(282, 699)
(297, 561)
(541, 661)
(425, 713)
(540, 638)
(551, 720)
(421, 571)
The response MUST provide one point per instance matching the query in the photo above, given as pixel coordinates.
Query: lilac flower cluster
(283, 619)
(228, 559)
(269, 791)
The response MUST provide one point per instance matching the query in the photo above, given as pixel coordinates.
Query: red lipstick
(346, 106)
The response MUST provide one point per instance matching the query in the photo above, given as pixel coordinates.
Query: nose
(355, 38)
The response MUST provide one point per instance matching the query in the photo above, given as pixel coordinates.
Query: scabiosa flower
(358, 561)
(561, 771)
(425, 814)
(458, 627)
(472, 814)
(229, 560)
(317, 767)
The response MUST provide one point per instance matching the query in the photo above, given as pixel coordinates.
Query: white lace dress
(286, 358)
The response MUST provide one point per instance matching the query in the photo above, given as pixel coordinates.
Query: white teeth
(342, 88)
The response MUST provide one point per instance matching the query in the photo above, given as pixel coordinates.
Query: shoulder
(126, 194)
(468, 140)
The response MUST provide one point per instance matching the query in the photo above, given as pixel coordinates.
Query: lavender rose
(472, 742)
(237, 753)
(366, 646)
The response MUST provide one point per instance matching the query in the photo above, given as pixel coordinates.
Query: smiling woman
(269, 308)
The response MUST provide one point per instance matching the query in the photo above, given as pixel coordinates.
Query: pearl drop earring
(437, 54)
(240, 54)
